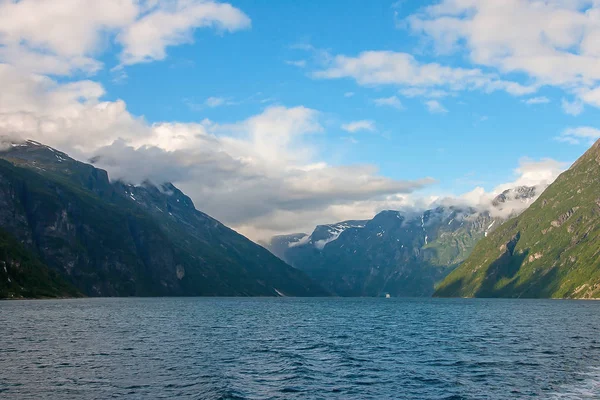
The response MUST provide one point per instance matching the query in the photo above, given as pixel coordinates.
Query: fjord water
(286, 348)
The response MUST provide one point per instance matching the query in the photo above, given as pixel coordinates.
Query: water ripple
(225, 348)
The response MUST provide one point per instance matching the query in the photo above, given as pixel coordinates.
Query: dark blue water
(221, 348)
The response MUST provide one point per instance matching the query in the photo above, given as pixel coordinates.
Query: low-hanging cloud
(530, 173)
(262, 174)
(256, 175)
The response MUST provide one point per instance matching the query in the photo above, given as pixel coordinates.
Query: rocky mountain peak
(522, 193)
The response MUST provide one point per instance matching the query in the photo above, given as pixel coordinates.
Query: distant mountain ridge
(403, 254)
(115, 239)
(321, 235)
(551, 250)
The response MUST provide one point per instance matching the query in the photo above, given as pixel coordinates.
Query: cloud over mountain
(266, 171)
(255, 174)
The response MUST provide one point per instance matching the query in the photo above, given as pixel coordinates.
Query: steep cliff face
(113, 239)
(22, 275)
(551, 250)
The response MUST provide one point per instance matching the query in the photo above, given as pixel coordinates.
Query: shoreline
(280, 297)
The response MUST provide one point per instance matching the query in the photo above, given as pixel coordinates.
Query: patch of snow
(279, 293)
(450, 221)
(488, 228)
(426, 239)
(335, 231)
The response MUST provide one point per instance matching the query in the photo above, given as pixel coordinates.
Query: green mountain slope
(112, 239)
(22, 275)
(551, 250)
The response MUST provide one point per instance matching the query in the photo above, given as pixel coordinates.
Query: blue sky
(433, 89)
(482, 135)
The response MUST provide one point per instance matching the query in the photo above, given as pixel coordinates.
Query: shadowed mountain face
(113, 239)
(551, 250)
(398, 253)
(22, 275)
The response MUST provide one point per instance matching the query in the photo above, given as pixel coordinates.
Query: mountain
(278, 245)
(520, 193)
(322, 234)
(403, 254)
(114, 239)
(22, 275)
(551, 250)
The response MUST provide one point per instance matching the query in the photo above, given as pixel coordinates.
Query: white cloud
(371, 68)
(537, 100)
(260, 175)
(572, 107)
(297, 63)
(577, 135)
(423, 92)
(213, 102)
(70, 115)
(173, 23)
(392, 101)
(362, 125)
(435, 107)
(589, 96)
(61, 38)
(552, 42)
(534, 173)
(348, 94)
(538, 174)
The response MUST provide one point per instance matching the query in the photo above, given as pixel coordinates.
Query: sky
(277, 116)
